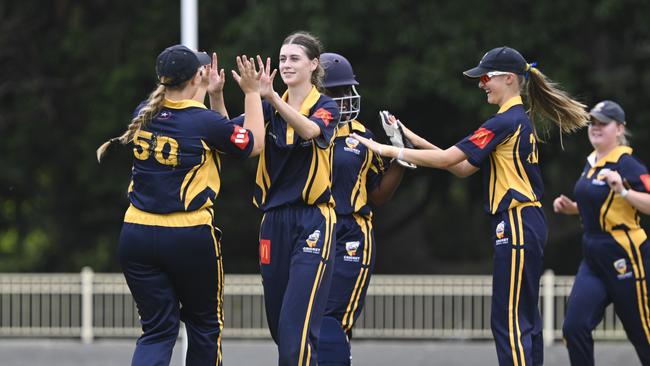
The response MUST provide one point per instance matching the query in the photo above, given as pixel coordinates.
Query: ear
(314, 64)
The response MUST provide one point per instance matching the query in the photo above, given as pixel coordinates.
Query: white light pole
(189, 24)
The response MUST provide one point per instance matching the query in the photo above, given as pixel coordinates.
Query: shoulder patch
(482, 137)
(324, 115)
(239, 137)
(645, 179)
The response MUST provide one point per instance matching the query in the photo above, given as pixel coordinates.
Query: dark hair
(313, 48)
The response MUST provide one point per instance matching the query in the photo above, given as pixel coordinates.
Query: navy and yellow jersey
(603, 210)
(356, 172)
(505, 148)
(176, 162)
(292, 171)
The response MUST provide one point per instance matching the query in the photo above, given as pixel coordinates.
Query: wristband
(624, 192)
(400, 154)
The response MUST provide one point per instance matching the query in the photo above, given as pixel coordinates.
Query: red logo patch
(239, 137)
(645, 178)
(482, 137)
(323, 114)
(265, 251)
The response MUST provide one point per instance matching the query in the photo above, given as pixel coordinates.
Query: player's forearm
(462, 169)
(254, 121)
(304, 127)
(441, 159)
(388, 184)
(217, 103)
(639, 200)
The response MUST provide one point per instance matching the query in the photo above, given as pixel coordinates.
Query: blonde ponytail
(145, 115)
(548, 101)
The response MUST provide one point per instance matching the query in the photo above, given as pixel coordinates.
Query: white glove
(396, 135)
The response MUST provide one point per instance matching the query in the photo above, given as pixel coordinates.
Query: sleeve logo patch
(239, 138)
(482, 137)
(645, 178)
(324, 115)
(265, 251)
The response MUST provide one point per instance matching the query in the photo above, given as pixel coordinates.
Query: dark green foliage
(72, 72)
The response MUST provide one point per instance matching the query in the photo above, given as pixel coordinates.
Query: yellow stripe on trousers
(348, 316)
(220, 286)
(643, 295)
(520, 280)
(329, 224)
(514, 331)
(641, 287)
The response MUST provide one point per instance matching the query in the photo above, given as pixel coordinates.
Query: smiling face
(499, 88)
(295, 67)
(604, 136)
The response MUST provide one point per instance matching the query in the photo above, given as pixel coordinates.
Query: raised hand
(248, 78)
(372, 144)
(266, 81)
(613, 179)
(216, 77)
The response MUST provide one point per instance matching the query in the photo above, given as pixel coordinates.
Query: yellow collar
(346, 129)
(510, 103)
(611, 157)
(180, 104)
(309, 101)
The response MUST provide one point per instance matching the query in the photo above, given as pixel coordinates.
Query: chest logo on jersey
(352, 144)
(351, 248)
(165, 115)
(312, 240)
(621, 267)
(482, 137)
(324, 115)
(500, 233)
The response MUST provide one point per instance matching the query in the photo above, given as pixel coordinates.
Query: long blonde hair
(144, 116)
(547, 101)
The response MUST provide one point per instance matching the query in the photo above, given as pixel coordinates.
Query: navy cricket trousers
(609, 273)
(175, 273)
(519, 239)
(354, 262)
(296, 269)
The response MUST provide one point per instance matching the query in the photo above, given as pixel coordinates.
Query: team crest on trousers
(621, 267)
(500, 233)
(351, 248)
(311, 241)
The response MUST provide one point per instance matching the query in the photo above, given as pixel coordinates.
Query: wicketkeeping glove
(395, 133)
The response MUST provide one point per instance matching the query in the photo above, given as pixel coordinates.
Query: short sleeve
(376, 171)
(326, 116)
(483, 141)
(227, 137)
(635, 173)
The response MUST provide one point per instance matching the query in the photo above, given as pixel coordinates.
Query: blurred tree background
(72, 72)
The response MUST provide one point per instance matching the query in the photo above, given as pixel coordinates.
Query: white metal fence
(89, 305)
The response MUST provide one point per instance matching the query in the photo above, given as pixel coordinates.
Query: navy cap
(178, 63)
(499, 59)
(338, 70)
(608, 111)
